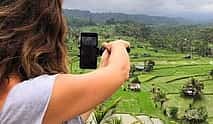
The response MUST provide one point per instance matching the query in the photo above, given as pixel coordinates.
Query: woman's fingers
(107, 46)
(126, 44)
(104, 59)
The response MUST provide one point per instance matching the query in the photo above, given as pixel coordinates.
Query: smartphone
(88, 50)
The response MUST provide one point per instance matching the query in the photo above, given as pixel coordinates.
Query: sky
(196, 9)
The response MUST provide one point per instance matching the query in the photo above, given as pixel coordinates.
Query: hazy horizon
(189, 9)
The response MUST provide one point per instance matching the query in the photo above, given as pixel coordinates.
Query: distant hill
(103, 17)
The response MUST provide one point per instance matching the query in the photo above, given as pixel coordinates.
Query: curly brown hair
(32, 38)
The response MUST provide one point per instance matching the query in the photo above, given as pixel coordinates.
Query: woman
(35, 87)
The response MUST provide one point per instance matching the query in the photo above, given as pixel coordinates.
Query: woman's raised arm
(76, 94)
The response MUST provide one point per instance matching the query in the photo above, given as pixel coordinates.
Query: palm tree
(148, 65)
(195, 116)
(211, 73)
(113, 120)
(105, 115)
(138, 121)
(193, 88)
(160, 97)
(132, 70)
(172, 112)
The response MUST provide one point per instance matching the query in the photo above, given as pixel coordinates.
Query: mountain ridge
(139, 18)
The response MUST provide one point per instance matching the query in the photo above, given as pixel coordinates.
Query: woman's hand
(113, 48)
(108, 46)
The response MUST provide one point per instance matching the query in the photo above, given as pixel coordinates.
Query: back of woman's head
(32, 34)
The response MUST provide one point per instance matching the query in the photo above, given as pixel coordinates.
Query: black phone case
(88, 50)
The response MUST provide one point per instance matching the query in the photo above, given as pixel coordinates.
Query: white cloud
(207, 8)
(151, 7)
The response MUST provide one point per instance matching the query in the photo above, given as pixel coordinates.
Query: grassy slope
(169, 70)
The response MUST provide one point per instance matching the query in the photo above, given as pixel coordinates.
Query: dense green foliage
(79, 22)
(195, 116)
(189, 40)
(186, 39)
(111, 17)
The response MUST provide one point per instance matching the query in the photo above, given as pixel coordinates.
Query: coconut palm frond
(138, 121)
(113, 120)
(99, 116)
(109, 111)
(104, 114)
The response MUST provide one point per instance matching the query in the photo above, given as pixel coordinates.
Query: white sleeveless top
(27, 102)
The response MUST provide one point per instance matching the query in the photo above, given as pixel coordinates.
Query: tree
(138, 31)
(195, 116)
(193, 88)
(111, 21)
(184, 39)
(136, 80)
(159, 97)
(132, 70)
(148, 65)
(201, 47)
(103, 115)
(172, 112)
(113, 120)
(211, 73)
(79, 22)
(207, 34)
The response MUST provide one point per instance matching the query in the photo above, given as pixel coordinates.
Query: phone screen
(88, 50)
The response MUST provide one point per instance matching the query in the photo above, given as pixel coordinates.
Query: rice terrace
(171, 74)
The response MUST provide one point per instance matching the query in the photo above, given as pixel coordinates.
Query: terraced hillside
(170, 73)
